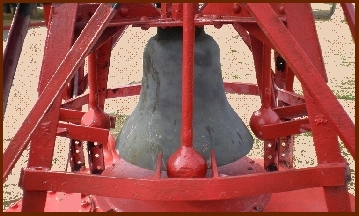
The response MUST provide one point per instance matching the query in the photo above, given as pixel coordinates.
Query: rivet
(14, 205)
(124, 11)
(237, 8)
(85, 203)
(281, 9)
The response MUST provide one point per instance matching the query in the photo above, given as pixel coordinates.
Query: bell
(155, 125)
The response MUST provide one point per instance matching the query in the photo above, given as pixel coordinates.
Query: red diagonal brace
(349, 13)
(305, 71)
(62, 76)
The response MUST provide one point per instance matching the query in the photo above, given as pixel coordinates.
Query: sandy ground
(126, 67)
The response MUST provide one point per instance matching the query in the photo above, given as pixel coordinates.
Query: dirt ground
(237, 65)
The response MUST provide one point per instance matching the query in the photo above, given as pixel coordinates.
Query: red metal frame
(270, 26)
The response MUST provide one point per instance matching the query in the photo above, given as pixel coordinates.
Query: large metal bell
(155, 124)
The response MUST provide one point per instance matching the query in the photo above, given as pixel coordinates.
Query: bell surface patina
(155, 124)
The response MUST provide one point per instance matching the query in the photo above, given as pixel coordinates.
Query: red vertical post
(43, 140)
(103, 66)
(186, 161)
(47, 12)
(187, 75)
(270, 153)
(266, 78)
(284, 79)
(95, 118)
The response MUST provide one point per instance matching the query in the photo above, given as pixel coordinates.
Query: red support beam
(186, 161)
(177, 189)
(324, 136)
(78, 132)
(61, 77)
(349, 13)
(286, 128)
(305, 71)
(188, 75)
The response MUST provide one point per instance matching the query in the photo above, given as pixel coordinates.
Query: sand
(126, 67)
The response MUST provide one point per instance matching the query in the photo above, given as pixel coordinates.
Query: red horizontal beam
(125, 91)
(78, 132)
(185, 189)
(132, 90)
(290, 112)
(287, 128)
(289, 97)
(241, 88)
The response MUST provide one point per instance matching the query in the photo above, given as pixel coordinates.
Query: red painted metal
(186, 162)
(78, 132)
(324, 136)
(125, 187)
(134, 89)
(13, 48)
(95, 117)
(176, 189)
(289, 97)
(122, 169)
(43, 140)
(103, 66)
(349, 13)
(289, 112)
(244, 35)
(284, 79)
(285, 128)
(70, 64)
(47, 13)
(241, 88)
(303, 68)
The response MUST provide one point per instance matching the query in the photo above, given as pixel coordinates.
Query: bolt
(281, 9)
(14, 205)
(237, 8)
(257, 209)
(85, 203)
(217, 25)
(144, 18)
(124, 11)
